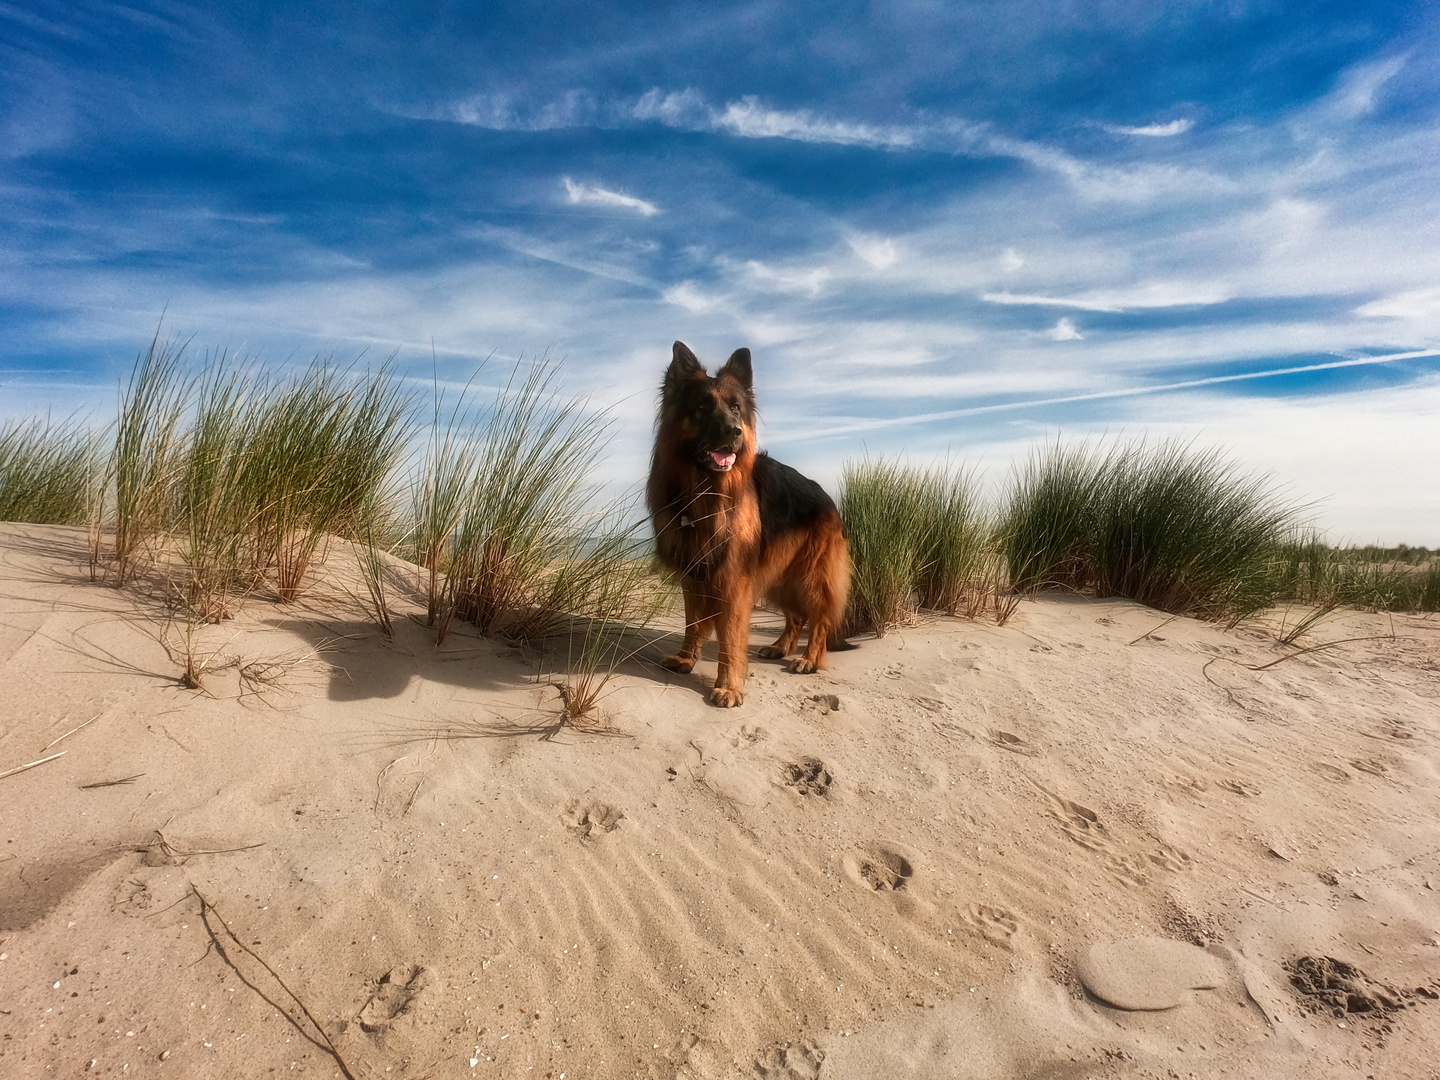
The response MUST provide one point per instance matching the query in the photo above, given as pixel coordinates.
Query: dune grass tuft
(1319, 574)
(1178, 529)
(918, 539)
(215, 512)
(1186, 531)
(147, 453)
(49, 472)
(956, 534)
(883, 504)
(1047, 525)
(321, 447)
(522, 506)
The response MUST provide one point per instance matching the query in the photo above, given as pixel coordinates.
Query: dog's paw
(770, 652)
(683, 664)
(726, 699)
(803, 665)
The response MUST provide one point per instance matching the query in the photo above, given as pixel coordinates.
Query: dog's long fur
(735, 525)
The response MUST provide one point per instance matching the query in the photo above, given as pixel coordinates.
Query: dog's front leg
(736, 601)
(700, 610)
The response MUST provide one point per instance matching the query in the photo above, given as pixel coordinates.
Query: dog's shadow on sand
(365, 665)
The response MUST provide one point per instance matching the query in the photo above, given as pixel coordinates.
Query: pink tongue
(723, 460)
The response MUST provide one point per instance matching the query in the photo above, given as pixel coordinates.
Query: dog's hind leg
(827, 581)
(814, 659)
(700, 615)
(787, 641)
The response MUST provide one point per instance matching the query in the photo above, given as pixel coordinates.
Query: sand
(913, 864)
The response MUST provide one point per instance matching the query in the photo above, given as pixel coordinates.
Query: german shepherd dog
(736, 525)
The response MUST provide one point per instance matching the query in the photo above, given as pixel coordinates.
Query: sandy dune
(901, 867)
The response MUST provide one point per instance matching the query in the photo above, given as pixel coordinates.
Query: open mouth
(722, 460)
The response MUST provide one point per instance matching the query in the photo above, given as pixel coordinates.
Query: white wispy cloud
(1414, 304)
(750, 118)
(1153, 131)
(1116, 392)
(878, 251)
(598, 196)
(687, 295)
(678, 109)
(1045, 301)
(808, 281)
(1356, 90)
(1134, 298)
(1064, 330)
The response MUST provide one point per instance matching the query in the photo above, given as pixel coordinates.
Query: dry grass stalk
(31, 765)
(324, 1042)
(72, 731)
(112, 783)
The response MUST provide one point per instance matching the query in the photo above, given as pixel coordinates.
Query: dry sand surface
(1050, 849)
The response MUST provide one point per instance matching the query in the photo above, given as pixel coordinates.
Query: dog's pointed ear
(738, 368)
(683, 365)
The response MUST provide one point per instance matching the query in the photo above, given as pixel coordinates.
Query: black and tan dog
(736, 525)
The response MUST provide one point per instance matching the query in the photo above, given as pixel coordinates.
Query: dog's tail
(839, 644)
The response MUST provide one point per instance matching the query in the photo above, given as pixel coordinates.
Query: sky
(949, 231)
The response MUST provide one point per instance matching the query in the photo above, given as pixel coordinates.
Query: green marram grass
(1178, 529)
(1047, 525)
(1314, 572)
(1186, 531)
(234, 480)
(522, 498)
(147, 456)
(321, 446)
(918, 539)
(955, 554)
(49, 472)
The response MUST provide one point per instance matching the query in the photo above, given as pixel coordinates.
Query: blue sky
(942, 228)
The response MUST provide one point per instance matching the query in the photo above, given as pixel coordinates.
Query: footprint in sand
(1132, 866)
(880, 868)
(148, 891)
(1014, 743)
(1389, 729)
(133, 897)
(790, 1061)
(587, 819)
(1240, 788)
(1325, 984)
(1169, 858)
(394, 994)
(1331, 772)
(808, 776)
(1080, 823)
(747, 735)
(1147, 974)
(1373, 766)
(994, 924)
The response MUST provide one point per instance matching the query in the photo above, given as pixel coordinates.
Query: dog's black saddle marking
(788, 500)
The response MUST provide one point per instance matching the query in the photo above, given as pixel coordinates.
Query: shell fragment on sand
(1147, 973)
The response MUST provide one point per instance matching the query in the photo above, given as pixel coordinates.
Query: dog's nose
(732, 431)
